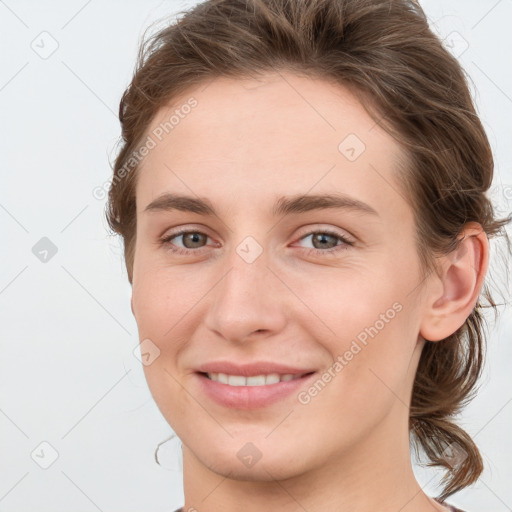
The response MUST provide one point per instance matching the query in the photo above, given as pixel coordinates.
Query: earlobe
(461, 278)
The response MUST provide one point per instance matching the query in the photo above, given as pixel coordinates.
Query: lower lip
(250, 397)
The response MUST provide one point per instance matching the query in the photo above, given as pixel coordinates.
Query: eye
(326, 242)
(190, 239)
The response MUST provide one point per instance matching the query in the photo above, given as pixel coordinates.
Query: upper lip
(251, 369)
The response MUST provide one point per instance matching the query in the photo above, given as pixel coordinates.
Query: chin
(262, 471)
(254, 461)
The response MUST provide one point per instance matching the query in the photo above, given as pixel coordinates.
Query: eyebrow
(283, 205)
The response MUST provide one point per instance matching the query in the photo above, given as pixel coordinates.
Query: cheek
(162, 297)
(344, 303)
(161, 308)
(168, 310)
(369, 374)
(366, 322)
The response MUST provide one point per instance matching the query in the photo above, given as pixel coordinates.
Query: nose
(249, 300)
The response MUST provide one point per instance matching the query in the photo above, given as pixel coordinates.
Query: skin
(246, 143)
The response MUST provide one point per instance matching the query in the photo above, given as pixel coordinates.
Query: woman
(301, 194)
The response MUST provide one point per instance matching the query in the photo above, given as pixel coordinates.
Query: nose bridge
(246, 299)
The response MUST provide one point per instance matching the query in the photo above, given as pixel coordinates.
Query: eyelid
(319, 228)
(315, 228)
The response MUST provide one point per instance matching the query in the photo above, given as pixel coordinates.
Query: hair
(384, 52)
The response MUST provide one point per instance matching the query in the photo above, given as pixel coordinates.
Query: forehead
(253, 139)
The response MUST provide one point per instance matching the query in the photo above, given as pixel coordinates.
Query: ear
(455, 291)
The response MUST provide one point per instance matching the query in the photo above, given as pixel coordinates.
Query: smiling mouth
(256, 380)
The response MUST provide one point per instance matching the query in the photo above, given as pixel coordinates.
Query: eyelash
(309, 251)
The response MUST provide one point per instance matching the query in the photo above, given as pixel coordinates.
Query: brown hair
(385, 53)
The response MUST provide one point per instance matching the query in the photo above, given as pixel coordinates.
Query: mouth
(255, 380)
(256, 391)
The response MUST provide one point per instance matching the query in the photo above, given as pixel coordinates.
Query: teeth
(256, 380)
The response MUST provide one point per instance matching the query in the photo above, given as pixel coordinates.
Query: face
(293, 256)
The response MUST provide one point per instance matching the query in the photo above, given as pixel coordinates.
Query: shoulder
(449, 507)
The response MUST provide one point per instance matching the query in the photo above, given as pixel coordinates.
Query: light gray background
(68, 375)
